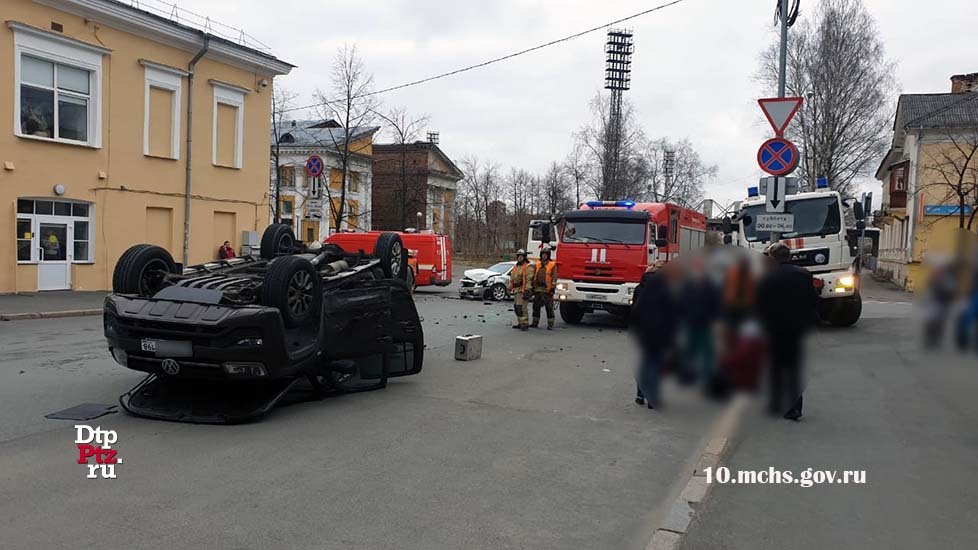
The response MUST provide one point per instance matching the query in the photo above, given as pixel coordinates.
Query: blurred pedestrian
(544, 283)
(738, 297)
(226, 251)
(653, 320)
(520, 282)
(701, 305)
(787, 308)
(941, 291)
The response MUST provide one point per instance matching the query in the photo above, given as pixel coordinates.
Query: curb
(670, 534)
(49, 314)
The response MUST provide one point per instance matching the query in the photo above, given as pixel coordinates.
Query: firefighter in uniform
(544, 283)
(520, 280)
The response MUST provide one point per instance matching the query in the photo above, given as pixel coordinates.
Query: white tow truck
(813, 226)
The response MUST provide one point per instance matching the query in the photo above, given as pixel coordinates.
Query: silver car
(486, 284)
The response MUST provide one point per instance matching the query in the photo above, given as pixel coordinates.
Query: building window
(353, 214)
(161, 115)
(354, 184)
(288, 207)
(228, 124)
(57, 83)
(70, 222)
(335, 179)
(23, 240)
(286, 176)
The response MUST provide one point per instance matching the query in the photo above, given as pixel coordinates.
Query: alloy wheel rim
(300, 293)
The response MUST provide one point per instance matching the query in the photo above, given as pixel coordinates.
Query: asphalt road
(875, 402)
(536, 445)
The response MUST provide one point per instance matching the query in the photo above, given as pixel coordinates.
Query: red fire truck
(432, 251)
(606, 246)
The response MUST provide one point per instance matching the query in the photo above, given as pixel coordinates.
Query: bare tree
(555, 191)
(518, 195)
(282, 99)
(578, 169)
(351, 105)
(405, 129)
(625, 179)
(837, 62)
(676, 173)
(953, 172)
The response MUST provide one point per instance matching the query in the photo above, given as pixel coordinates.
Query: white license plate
(596, 297)
(148, 345)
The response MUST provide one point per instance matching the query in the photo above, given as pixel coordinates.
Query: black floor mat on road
(85, 411)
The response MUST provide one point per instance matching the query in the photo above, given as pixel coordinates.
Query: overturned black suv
(225, 341)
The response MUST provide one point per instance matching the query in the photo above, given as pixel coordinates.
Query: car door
(375, 325)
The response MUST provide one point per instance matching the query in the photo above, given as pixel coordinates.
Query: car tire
(293, 286)
(848, 312)
(411, 283)
(392, 255)
(142, 270)
(277, 239)
(498, 292)
(571, 313)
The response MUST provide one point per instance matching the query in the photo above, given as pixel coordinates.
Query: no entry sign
(777, 156)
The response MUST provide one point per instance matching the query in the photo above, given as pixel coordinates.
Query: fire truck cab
(606, 246)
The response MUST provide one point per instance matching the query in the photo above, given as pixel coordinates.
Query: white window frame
(170, 79)
(56, 48)
(232, 95)
(37, 219)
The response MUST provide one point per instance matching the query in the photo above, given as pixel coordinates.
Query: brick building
(411, 178)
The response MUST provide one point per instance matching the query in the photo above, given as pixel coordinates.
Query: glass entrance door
(54, 267)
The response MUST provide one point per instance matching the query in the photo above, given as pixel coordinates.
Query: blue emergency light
(620, 204)
(753, 192)
(822, 183)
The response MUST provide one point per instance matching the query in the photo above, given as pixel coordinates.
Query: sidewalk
(56, 303)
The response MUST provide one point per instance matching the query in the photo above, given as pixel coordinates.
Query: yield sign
(779, 111)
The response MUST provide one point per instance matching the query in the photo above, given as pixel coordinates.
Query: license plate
(596, 297)
(167, 348)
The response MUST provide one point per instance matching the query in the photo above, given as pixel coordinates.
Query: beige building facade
(96, 98)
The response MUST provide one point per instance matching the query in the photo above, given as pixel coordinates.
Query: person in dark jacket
(787, 305)
(700, 308)
(653, 319)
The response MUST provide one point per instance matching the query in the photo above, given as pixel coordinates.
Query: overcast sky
(692, 73)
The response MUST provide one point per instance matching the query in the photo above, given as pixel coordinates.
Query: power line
(498, 59)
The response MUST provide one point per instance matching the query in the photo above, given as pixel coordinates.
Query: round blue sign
(314, 166)
(777, 156)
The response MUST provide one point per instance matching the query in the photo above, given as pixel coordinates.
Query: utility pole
(783, 16)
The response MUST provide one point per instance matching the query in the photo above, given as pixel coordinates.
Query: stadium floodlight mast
(617, 78)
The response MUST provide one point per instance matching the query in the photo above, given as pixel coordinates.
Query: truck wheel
(571, 313)
(848, 311)
(142, 270)
(277, 239)
(393, 258)
(498, 292)
(293, 286)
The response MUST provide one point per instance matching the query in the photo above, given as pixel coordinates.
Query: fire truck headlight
(562, 297)
(847, 281)
(561, 286)
(631, 290)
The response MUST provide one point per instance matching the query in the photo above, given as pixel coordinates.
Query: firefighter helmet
(521, 252)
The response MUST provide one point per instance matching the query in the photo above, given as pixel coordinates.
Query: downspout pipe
(190, 149)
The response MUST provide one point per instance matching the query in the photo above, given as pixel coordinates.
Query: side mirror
(663, 234)
(661, 242)
(545, 233)
(727, 225)
(857, 211)
(747, 219)
(860, 224)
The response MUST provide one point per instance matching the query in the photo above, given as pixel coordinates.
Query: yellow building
(96, 98)
(932, 135)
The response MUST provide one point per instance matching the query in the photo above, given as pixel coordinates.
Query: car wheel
(142, 270)
(848, 311)
(571, 313)
(292, 285)
(393, 257)
(278, 239)
(498, 292)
